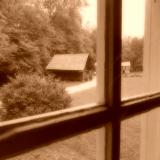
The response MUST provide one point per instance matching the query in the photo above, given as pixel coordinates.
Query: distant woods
(32, 31)
(132, 50)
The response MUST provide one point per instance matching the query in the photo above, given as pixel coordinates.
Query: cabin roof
(68, 62)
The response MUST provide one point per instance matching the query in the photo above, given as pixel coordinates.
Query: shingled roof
(68, 62)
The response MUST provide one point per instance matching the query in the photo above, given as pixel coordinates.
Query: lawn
(83, 147)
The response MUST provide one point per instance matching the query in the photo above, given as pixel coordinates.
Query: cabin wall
(69, 75)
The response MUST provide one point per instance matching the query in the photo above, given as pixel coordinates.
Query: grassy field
(83, 147)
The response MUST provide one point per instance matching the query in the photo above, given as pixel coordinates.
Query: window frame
(50, 127)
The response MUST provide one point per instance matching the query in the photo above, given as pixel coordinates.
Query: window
(133, 26)
(50, 127)
(52, 64)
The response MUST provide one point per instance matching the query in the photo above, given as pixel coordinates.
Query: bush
(28, 95)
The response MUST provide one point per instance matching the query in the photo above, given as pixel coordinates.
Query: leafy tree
(53, 6)
(5, 49)
(27, 31)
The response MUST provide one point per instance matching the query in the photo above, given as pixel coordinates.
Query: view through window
(133, 80)
(47, 56)
(140, 76)
(132, 66)
(48, 62)
(52, 59)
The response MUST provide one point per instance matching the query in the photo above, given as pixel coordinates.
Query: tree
(53, 6)
(5, 49)
(28, 33)
(132, 50)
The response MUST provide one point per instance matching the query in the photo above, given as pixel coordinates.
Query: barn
(70, 66)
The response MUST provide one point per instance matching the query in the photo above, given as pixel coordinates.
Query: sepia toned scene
(47, 54)
(48, 62)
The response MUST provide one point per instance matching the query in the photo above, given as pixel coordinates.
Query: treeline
(132, 50)
(31, 32)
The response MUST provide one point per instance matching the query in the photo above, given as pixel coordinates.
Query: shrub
(28, 95)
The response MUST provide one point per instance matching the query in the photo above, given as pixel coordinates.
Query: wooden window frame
(14, 135)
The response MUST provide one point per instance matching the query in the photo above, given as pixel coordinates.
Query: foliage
(31, 32)
(5, 50)
(53, 6)
(132, 50)
(21, 58)
(22, 48)
(29, 95)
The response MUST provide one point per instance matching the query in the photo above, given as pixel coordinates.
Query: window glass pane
(151, 46)
(150, 135)
(140, 137)
(132, 65)
(140, 50)
(130, 139)
(80, 147)
(48, 58)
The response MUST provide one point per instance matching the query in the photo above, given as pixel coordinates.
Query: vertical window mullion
(109, 75)
(116, 99)
(113, 72)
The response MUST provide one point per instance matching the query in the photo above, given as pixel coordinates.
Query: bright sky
(89, 14)
(133, 17)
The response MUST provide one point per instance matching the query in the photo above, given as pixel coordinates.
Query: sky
(89, 14)
(133, 12)
(133, 18)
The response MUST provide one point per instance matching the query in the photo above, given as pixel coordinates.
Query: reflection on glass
(131, 139)
(80, 147)
(150, 135)
(140, 52)
(132, 68)
(47, 56)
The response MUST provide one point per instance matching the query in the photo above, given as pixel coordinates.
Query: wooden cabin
(70, 66)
